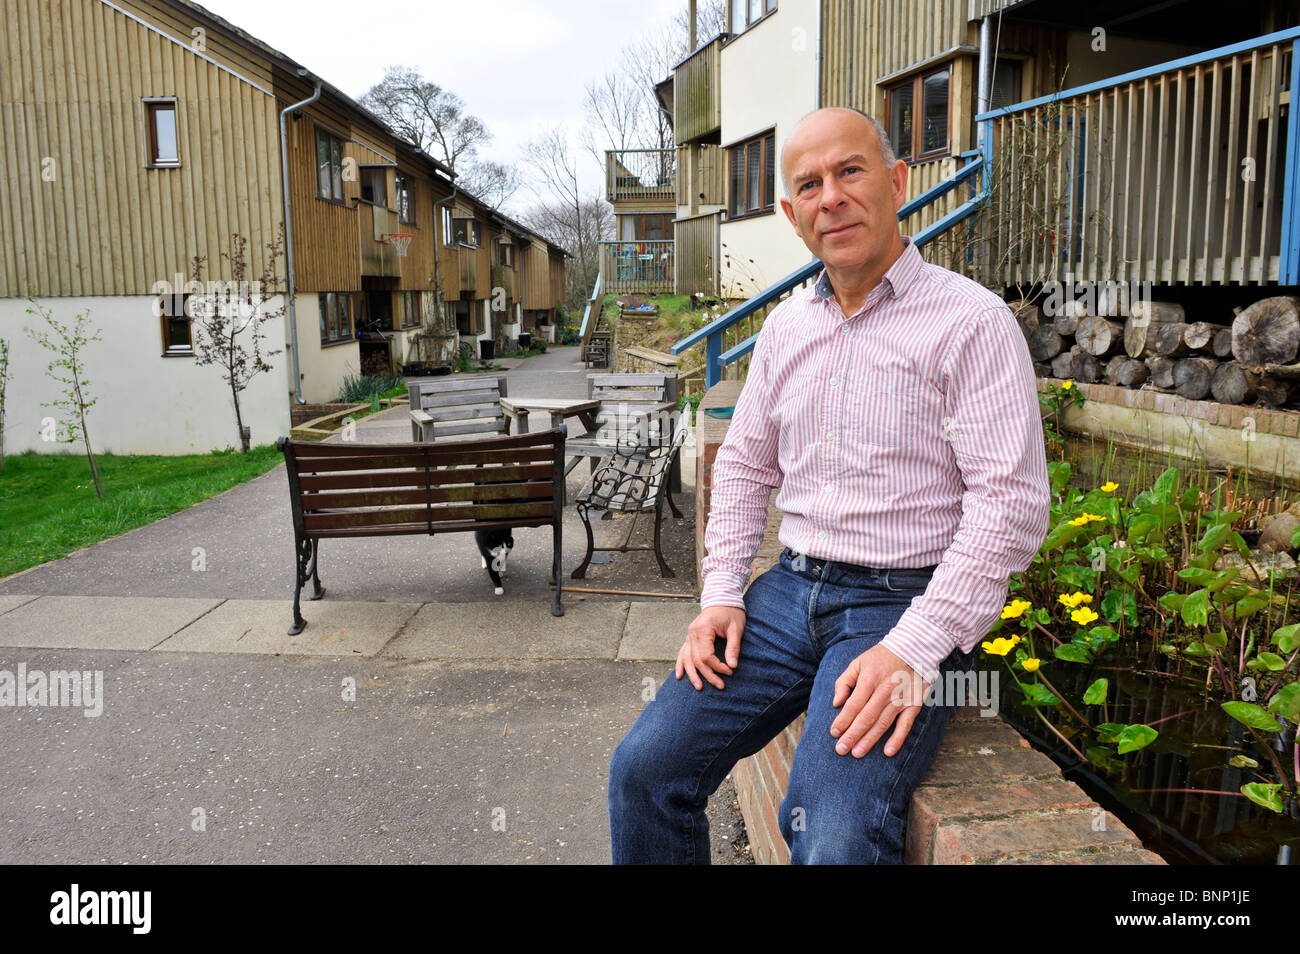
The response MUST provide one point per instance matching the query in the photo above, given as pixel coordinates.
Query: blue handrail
(586, 314)
(711, 334)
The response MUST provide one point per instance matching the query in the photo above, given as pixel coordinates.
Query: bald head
(812, 125)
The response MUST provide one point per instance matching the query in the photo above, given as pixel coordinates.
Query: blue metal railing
(715, 359)
(586, 313)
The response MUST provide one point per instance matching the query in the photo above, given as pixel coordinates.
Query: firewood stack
(1252, 361)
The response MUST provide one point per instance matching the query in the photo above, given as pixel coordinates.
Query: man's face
(844, 198)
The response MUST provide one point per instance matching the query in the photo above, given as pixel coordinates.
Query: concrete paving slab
(587, 630)
(656, 630)
(334, 628)
(13, 602)
(99, 622)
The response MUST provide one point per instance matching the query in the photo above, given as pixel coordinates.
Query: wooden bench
(452, 407)
(369, 490)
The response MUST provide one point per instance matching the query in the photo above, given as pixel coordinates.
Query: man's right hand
(698, 655)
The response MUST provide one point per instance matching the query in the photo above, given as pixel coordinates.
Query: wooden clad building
(141, 134)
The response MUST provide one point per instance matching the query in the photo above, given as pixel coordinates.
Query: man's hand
(697, 656)
(879, 688)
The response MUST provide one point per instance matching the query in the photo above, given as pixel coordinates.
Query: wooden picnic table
(516, 410)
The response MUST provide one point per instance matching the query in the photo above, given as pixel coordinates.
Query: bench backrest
(344, 490)
(459, 406)
(622, 396)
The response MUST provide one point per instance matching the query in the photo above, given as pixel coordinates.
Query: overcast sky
(519, 65)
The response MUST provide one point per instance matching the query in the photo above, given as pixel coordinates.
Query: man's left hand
(879, 688)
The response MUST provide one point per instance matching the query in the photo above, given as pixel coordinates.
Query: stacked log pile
(1252, 361)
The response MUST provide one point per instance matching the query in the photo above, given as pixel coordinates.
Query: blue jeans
(802, 629)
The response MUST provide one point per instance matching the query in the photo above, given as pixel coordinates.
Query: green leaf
(1190, 498)
(1135, 737)
(1095, 694)
(1270, 661)
(1172, 601)
(1195, 648)
(1247, 713)
(1036, 694)
(1287, 638)
(1196, 608)
(1214, 538)
(1246, 606)
(1243, 761)
(1164, 486)
(1195, 575)
(1268, 795)
(1058, 472)
(1104, 633)
(1061, 534)
(1071, 652)
(1216, 639)
(1141, 526)
(1101, 757)
(1295, 537)
(1286, 702)
(1109, 731)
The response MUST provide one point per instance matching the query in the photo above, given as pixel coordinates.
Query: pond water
(1148, 791)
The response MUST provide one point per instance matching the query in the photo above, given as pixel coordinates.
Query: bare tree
(562, 225)
(220, 320)
(617, 114)
(435, 120)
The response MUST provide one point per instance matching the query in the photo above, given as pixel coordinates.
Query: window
(466, 232)
(469, 318)
(405, 200)
(924, 96)
(448, 236)
(505, 254)
(374, 188)
(176, 335)
(329, 167)
(745, 13)
(753, 168)
(1006, 84)
(160, 118)
(645, 227)
(410, 309)
(335, 317)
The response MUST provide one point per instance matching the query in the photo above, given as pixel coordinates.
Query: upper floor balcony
(641, 174)
(697, 94)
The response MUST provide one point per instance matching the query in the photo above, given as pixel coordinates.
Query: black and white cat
(495, 546)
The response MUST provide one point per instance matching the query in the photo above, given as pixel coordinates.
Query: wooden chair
(448, 408)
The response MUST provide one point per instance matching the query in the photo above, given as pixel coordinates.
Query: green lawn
(48, 506)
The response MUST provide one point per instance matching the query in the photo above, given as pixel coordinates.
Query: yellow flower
(1083, 616)
(1066, 385)
(1030, 664)
(1085, 517)
(1078, 521)
(1015, 609)
(1000, 646)
(1109, 487)
(1074, 599)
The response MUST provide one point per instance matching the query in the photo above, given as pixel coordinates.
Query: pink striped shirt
(905, 435)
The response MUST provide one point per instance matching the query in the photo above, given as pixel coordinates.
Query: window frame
(330, 321)
(335, 177)
(767, 161)
(152, 105)
(769, 8)
(402, 180)
(448, 229)
(472, 231)
(167, 316)
(916, 82)
(411, 299)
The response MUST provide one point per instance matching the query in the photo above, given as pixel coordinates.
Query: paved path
(468, 709)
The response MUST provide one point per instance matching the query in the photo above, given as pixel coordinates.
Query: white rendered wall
(146, 404)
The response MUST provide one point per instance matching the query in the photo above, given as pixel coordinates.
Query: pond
(1180, 794)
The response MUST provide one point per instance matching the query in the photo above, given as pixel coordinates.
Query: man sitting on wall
(895, 406)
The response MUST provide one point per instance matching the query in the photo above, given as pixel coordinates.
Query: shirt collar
(899, 278)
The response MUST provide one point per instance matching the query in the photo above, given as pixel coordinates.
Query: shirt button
(844, 329)
(834, 382)
(828, 489)
(821, 534)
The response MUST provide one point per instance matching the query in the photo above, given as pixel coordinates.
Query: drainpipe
(288, 233)
(984, 136)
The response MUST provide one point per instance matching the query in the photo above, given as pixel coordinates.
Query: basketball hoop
(400, 241)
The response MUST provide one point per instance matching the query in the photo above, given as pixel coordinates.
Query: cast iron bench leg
(557, 570)
(581, 572)
(665, 569)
